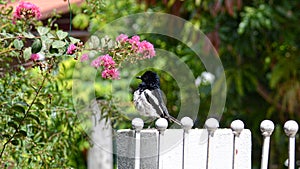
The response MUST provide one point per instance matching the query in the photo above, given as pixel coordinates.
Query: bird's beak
(139, 77)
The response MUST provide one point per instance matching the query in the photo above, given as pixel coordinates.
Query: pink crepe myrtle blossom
(134, 41)
(26, 10)
(111, 74)
(122, 38)
(71, 49)
(96, 63)
(84, 57)
(146, 49)
(34, 57)
(107, 61)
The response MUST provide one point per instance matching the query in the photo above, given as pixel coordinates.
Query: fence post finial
(161, 125)
(211, 125)
(137, 124)
(291, 128)
(187, 124)
(237, 126)
(267, 128)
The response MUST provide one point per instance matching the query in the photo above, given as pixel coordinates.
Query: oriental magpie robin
(148, 98)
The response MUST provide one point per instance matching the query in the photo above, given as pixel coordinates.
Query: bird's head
(150, 79)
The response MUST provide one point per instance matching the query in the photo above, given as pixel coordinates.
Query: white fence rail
(186, 148)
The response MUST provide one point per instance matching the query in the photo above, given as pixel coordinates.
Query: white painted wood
(267, 128)
(220, 151)
(195, 155)
(161, 125)
(186, 148)
(211, 125)
(137, 125)
(149, 152)
(242, 150)
(125, 149)
(100, 154)
(187, 124)
(137, 150)
(290, 129)
(171, 149)
(237, 127)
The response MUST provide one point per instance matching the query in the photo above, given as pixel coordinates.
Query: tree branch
(26, 113)
(262, 91)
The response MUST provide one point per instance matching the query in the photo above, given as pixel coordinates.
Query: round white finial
(237, 126)
(290, 128)
(137, 124)
(161, 124)
(267, 127)
(187, 123)
(211, 125)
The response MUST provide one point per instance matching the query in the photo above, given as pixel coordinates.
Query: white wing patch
(142, 105)
(155, 100)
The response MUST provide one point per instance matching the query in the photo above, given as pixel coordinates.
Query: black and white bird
(148, 98)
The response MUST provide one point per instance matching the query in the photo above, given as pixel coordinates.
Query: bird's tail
(174, 120)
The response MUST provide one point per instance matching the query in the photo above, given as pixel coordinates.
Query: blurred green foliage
(256, 40)
(258, 44)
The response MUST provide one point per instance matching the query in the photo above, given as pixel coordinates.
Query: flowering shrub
(26, 10)
(123, 49)
(36, 113)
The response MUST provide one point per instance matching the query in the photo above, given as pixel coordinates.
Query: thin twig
(26, 113)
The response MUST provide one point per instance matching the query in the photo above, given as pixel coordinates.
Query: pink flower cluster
(108, 63)
(71, 49)
(34, 57)
(145, 48)
(26, 10)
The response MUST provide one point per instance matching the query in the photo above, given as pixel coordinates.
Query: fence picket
(290, 129)
(266, 128)
(241, 146)
(186, 148)
(196, 149)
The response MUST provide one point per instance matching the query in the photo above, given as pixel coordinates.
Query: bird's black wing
(154, 97)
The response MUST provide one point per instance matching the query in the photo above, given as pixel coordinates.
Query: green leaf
(58, 44)
(34, 117)
(17, 119)
(74, 40)
(27, 53)
(39, 105)
(18, 44)
(43, 30)
(50, 35)
(12, 124)
(22, 133)
(6, 135)
(15, 142)
(28, 35)
(19, 108)
(21, 103)
(36, 46)
(53, 50)
(61, 34)
(94, 42)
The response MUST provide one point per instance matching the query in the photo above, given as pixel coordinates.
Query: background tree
(259, 48)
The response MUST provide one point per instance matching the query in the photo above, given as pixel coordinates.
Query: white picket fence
(186, 148)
